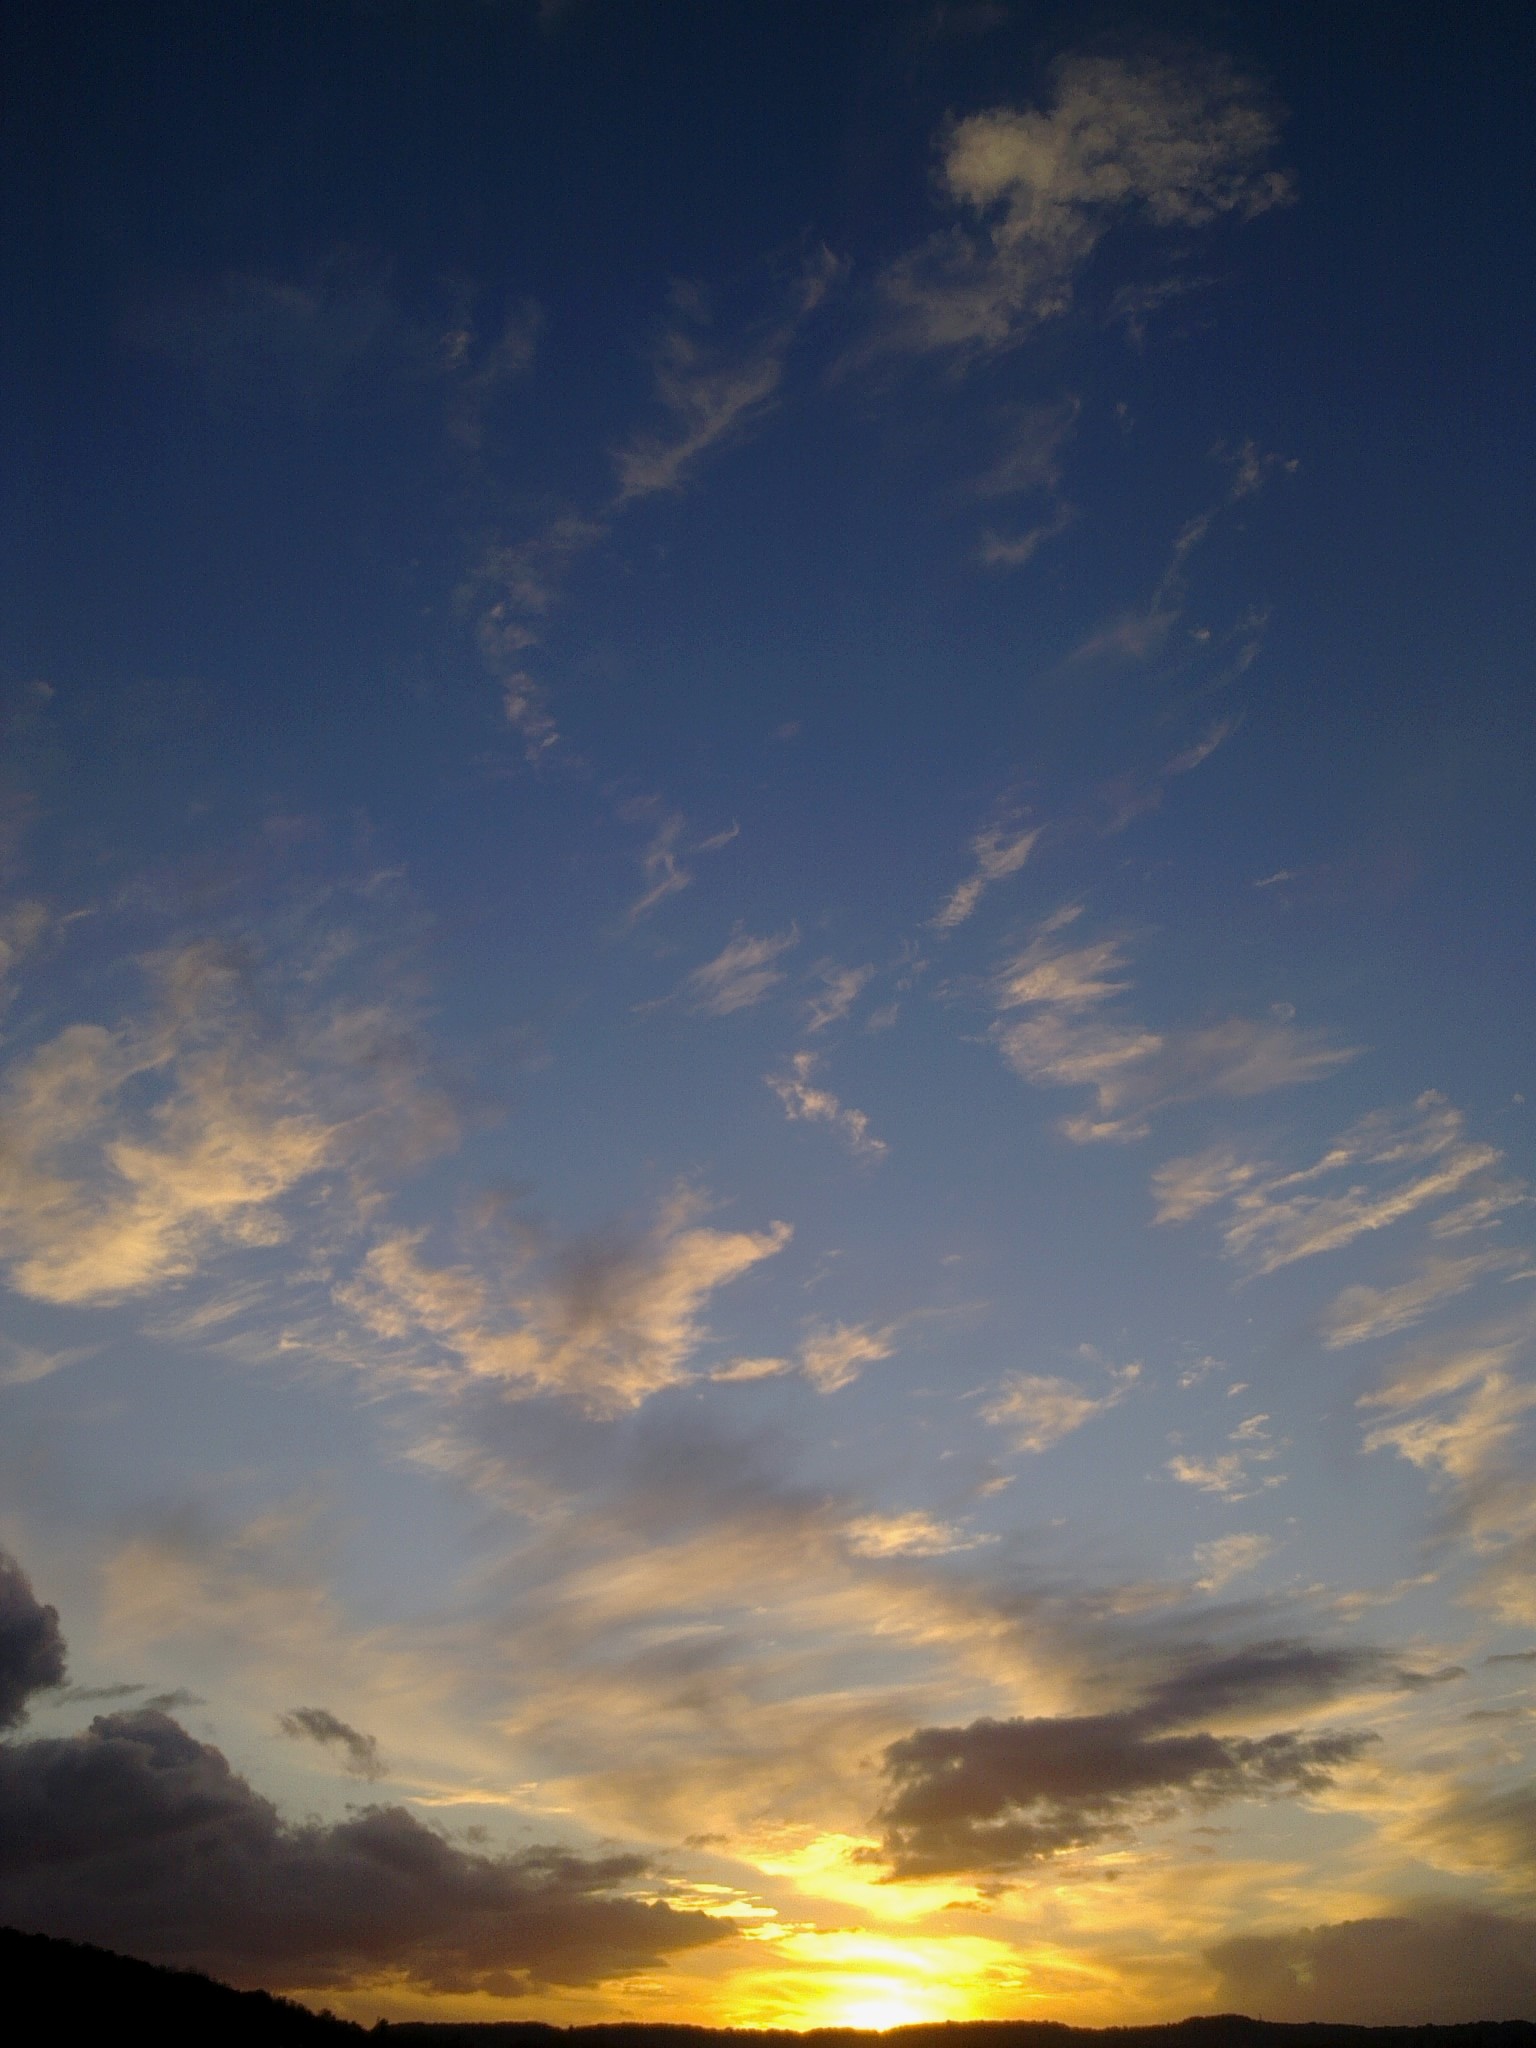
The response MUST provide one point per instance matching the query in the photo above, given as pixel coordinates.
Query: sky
(765, 1138)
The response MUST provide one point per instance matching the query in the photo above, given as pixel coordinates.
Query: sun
(875, 2011)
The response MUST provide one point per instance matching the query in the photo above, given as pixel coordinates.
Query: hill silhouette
(76, 1992)
(79, 1992)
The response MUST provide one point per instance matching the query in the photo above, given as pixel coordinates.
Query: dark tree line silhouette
(90, 1995)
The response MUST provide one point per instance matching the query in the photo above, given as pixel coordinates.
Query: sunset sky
(766, 1171)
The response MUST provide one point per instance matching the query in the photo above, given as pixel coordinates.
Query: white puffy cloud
(1174, 145)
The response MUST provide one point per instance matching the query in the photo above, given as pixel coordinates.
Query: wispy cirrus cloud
(841, 988)
(712, 395)
(830, 1355)
(664, 857)
(740, 975)
(1229, 1474)
(139, 1150)
(1177, 145)
(1226, 1558)
(1399, 1163)
(608, 1322)
(998, 853)
(1054, 1031)
(805, 1101)
(1363, 1315)
(1039, 1410)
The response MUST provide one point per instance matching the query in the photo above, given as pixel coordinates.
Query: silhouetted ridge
(87, 1994)
(1216, 2030)
(80, 1993)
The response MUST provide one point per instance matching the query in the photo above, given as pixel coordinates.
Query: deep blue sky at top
(251, 593)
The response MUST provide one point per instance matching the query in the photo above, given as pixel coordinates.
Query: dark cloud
(137, 1836)
(998, 1794)
(1431, 1965)
(1512, 1657)
(1280, 1675)
(1002, 1793)
(31, 1647)
(318, 1724)
(178, 1696)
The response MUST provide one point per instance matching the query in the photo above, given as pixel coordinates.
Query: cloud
(141, 1838)
(31, 1645)
(1132, 796)
(1400, 1161)
(1039, 1410)
(804, 1102)
(318, 1724)
(1061, 1040)
(915, 1534)
(1000, 1795)
(526, 704)
(305, 344)
(1227, 1557)
(1185, 1187)
(664, 872)
(1227, 1473)
(1360, 1315)
(1033, 437)
(1452, 1406)
(998, 854)
(841, 989)
(612, 1320)
(740, 974)
(135, 1152)
(1456, 1409)
(712, 396)
(832, 1355)
(1176, 146)
(1433, 1964)
(1013, 550)
(21, 926)
(25, 1364)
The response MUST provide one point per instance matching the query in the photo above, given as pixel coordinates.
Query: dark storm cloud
(997, 1794)
(139, 1837)
(318, 1724)
(1429, 1966)
(31, 1647)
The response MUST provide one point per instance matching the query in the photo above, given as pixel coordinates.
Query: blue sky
(767, 1170)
